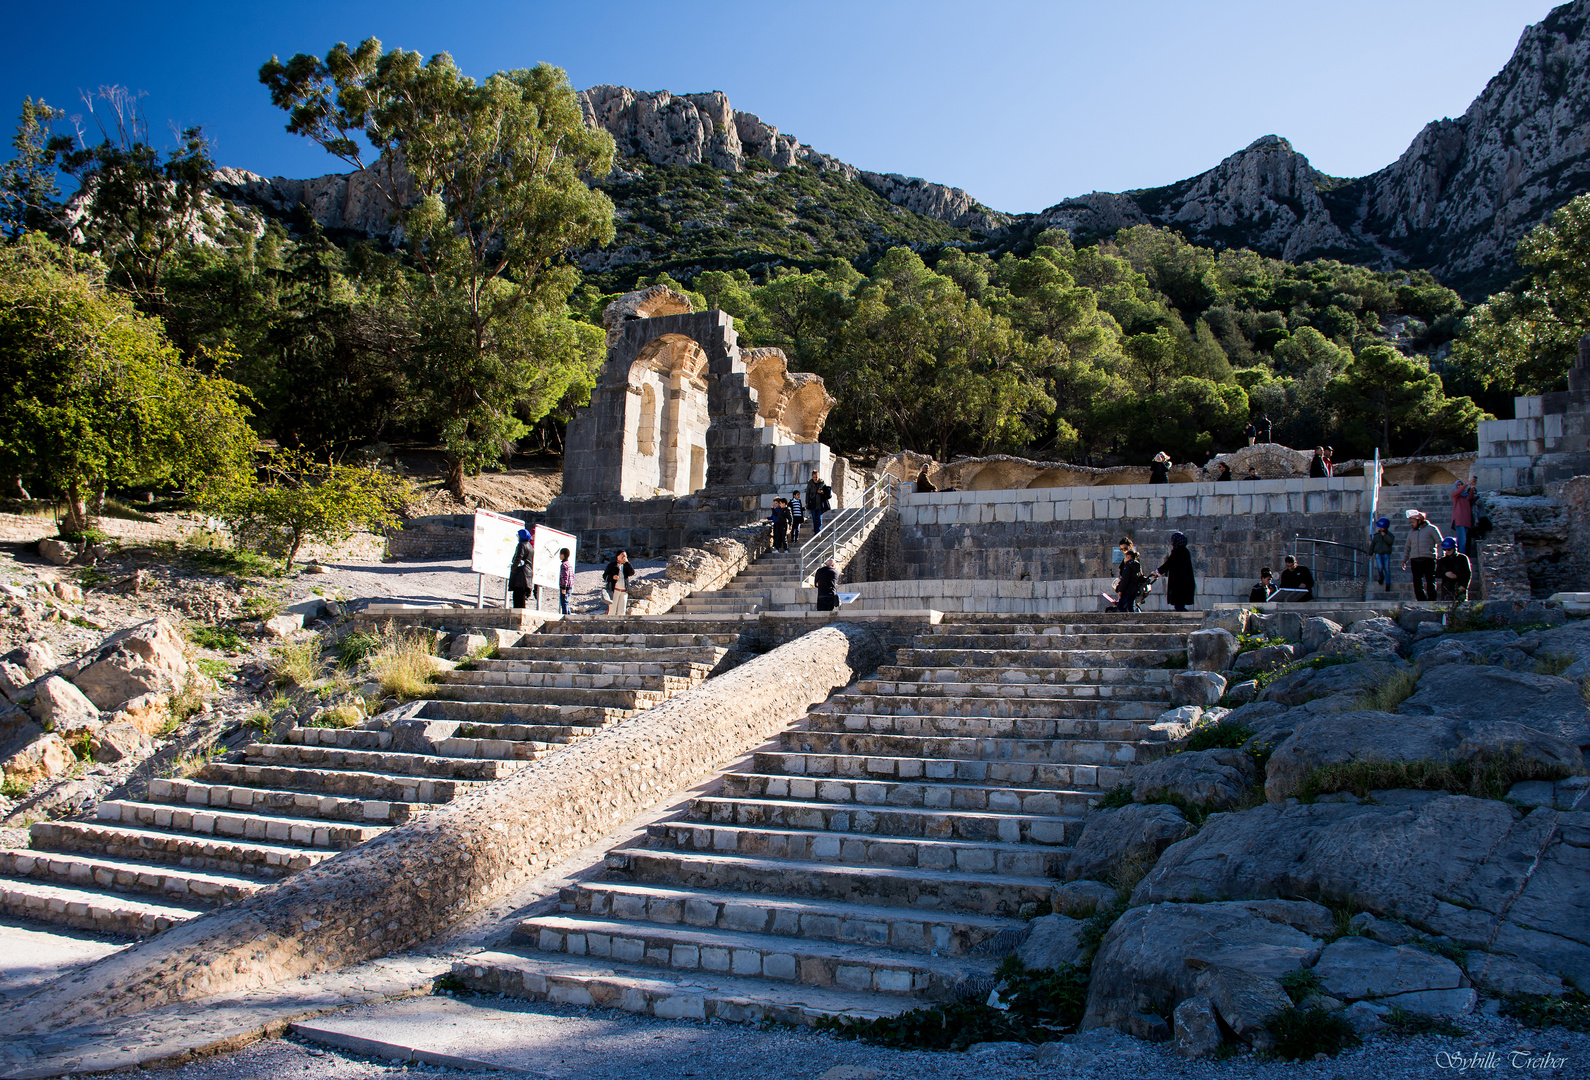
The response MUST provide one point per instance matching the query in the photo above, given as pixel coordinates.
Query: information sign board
(496, 536)
(548, 543)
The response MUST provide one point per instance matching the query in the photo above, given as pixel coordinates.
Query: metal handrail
(1335, 555)
(876, 499)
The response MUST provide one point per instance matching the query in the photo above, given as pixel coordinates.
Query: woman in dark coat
(1177, 570)
(1131, 581)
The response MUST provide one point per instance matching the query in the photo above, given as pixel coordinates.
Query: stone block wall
(646, 527)
(420, 878)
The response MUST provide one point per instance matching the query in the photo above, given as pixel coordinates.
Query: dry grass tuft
(403, 663)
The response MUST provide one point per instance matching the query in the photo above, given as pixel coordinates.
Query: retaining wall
(418, 879)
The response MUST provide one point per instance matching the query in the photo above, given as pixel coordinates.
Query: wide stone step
(941, 748)
(159, 880)
(650, 992)
(999, 638)
(711, 604)
(351, 783)
(692, 638)
(244, 825)
(1078, 677)
(982, 727)
(91, 909)
(708, 655)
(547, 733)
(941, 795)
(862, 849)
(281, 803)
(1041, 690)
(506, 749)
(199, 852)
(511, 713)
(1012, 705)
(391, 762)
(628, 700)
(1037, 657)
(991, 894)
(1174, 619)
(912, 930)
(684, 677)
(748, 955)
(345, 738)
(902, 821)
(1016, 774)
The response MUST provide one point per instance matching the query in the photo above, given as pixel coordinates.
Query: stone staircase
(1394, 502)
(855, 867)
(235, 826)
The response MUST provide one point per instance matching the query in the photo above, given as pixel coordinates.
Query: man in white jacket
(1424, 544)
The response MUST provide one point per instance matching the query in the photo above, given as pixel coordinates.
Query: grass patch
(1219, 736)
(1391, 693)
(1554, 663)
(342, 716)
(402, 664)
(1119, 795)
(260, 723)
(1302, 1033)
(1249, 642)
(297, 663)
(1571, 1011)
(232, 562)
(1449, 949)
(183, 704)
(215, 669)
(184, 766)
(1404, 1022)
(356, 646)
(1299, 984)
(89, 577)
(262, 606)
(1480, 779)
(13, 788)
(219, 638)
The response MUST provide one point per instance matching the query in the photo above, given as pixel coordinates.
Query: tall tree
(29, 193)
(485, 180)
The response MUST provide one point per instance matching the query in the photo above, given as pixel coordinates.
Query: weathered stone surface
(1079, 899)
(113, 742)
(1355, 967)
(1143, 961)
(145, 659)
(1233, 621)
(1385, 931)
(1213, 779)
(1478, 692)
(1510, 975)
(1474, 870)
(44, 757)
(61, 707)
(1211, 650)
(22, 665)
(1286, 625)
(1268, 658)
(464, 644)
(1196, 688)
(1317, 631)
(1245, 1001)
(283, 625)
(1150, 1027)
(1197, 1028)
(1358, 647)
(57, 551)
(1310, 683)
(1054, 940)
(1124, 837)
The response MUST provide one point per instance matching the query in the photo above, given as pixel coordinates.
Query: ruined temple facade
(686, 435)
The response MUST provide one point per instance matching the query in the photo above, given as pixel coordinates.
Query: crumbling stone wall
(418, 879)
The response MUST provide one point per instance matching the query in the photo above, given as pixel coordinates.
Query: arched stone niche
(668, 395)
(796, 403)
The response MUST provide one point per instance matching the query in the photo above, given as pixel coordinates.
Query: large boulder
(1481, 643)
(1317, 631)
(1352, 679)
(61, 707)
(1365, 735)
(1197, 1028)
(1355, 968)
(120, 740)
(1480, 692)
(1196, 688)
(1211, 650)
(1212, 779)
(1149, 961)
(1286, 625)
(1125, 838)
(45, 757)
(1245, 1001)
(22, 665)
(1475, 870)
(1268, 658)
(145, 659)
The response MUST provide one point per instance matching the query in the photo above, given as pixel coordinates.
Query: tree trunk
(455, 476)
(20, 491)
(76, 519)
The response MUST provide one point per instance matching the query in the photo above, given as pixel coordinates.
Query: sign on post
(548, 544)
(496, 536)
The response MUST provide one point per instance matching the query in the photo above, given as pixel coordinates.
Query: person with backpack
(1453, 572)
(817, 496)
(1381, 545)
(797, 514)
(519, 569)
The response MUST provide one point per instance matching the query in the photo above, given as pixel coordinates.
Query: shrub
(1554, 663)
(1391, 693)
(219, 638)
(1299, 984)
(1571, 1011)
(356, 646)
(1480, 779)
(342, 716)
(297, 663)
(1119, 795)
(402, 664)
(190, 764)
(1302, 1033)
(1219, 736)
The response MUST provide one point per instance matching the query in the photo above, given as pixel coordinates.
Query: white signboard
(496, 536)
(548, 544)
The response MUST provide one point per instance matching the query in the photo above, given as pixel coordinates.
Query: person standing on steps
(780, 517)
(817, 496)
(1381, 545)
(1463, 496)
(797, 514)
(615, 584)
(565, 580)
(1177, 570)
(519, 570)
(1453, 571)
(1131, 581)
(827, 581)
(1159, 469)
(1424, 540)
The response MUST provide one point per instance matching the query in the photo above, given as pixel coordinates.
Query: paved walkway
(32, 954)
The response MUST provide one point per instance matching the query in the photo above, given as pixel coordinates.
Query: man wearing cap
(1453, 571)
(1424, 540)
(1381, 545)
(827, 581)
(519, 569)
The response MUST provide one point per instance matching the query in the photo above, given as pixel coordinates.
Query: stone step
(692, 638)
(649, 992)
(866, 849)
(911, 930)
(351, 783)
(1021, 675)
(942, 795)
(159, 880)
(1003, 705)
(982, 727)
(728, 604)
(489, 713)
(391, 762)
(999, 638)
(749, 955)
(991, 894)
(1159, 618)
(612, 665)
(243, 825)
(1015, 774)
(947, 748)
(198, 852)
(547, 733)
(526, 749)
(91, 909)
(689, 675)
(280, 803)
(346, 738)
(707, 655)
(902, 821)
(627, 700)
(1037, 657)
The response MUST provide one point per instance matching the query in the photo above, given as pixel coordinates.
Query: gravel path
(563, 1041)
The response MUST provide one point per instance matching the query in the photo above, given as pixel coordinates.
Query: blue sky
(1020, 103)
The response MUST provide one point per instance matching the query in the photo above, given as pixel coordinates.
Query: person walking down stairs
(817, 500)
(1424, 542)
(1381, 545)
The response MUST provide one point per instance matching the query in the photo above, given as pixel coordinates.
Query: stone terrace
(855, 865)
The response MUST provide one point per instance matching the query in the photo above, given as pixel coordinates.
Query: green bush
(356, 646)
(1300, 984)
(1571, 1011)
(1302, 1033)
(1219, 736)
(219, 638)
(1480, 779)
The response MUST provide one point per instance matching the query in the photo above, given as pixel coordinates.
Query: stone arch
(649, 303)
(767, 370)
(807, 409)
(667, 381)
